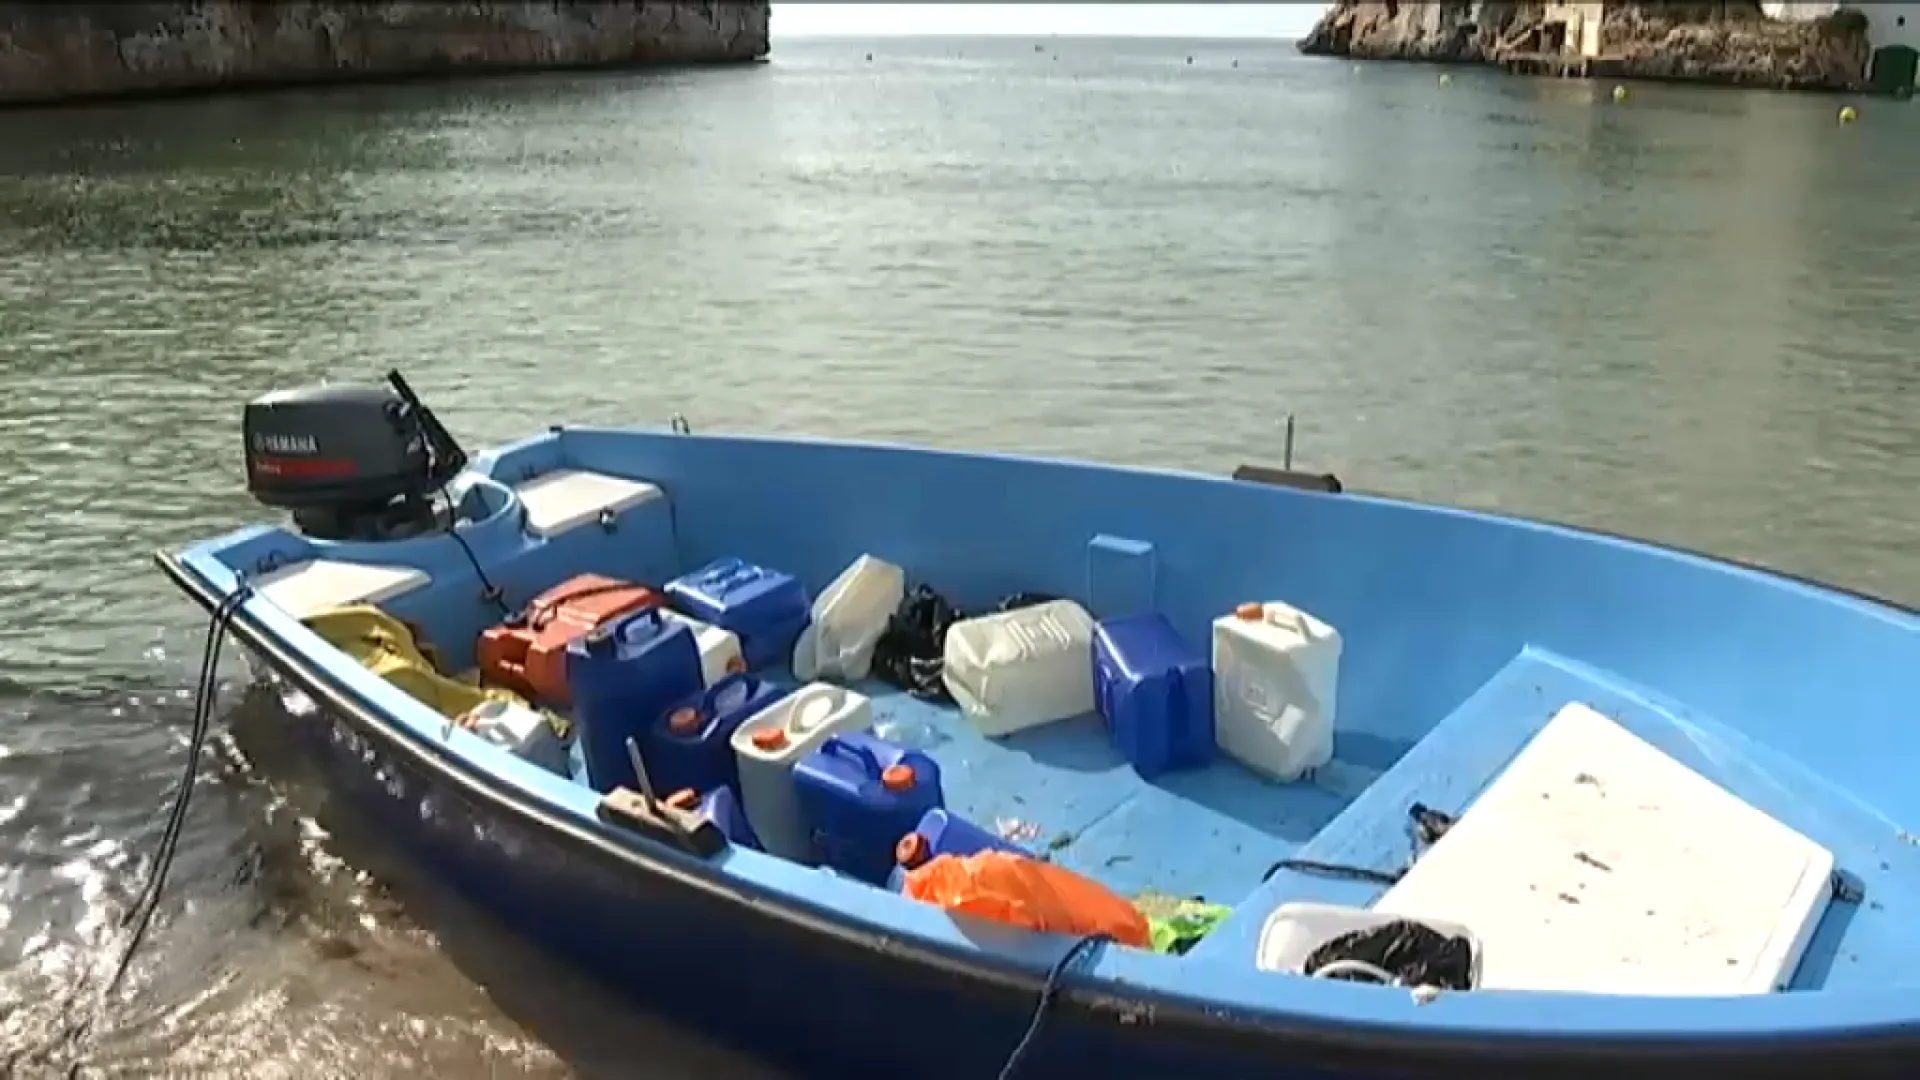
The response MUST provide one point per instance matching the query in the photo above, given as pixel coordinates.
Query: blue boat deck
(1071, 796)
(1856, 944)
(1063, 792)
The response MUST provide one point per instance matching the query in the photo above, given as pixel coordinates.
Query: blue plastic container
(942, 833)
(1155, 693)
(722, 807)
(688, 747)
(623, 676)
(860, 794)
(765, 608)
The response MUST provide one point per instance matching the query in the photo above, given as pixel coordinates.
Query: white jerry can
(769, 744)
(1021, 668)
(1275, 673)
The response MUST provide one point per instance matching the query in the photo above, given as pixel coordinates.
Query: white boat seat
(1595, 863)
(307, 588)
(568, 498)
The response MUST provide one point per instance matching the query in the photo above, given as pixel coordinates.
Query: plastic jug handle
(726, 683)
(860, 754)
(805, 696)
(1293, 617)
(606, 632)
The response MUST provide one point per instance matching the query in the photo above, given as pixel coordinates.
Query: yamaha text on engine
(352, 462)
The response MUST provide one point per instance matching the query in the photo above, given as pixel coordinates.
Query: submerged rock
(1729, 42)
(59, 51)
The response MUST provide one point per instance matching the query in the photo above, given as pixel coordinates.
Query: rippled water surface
(1689, 317)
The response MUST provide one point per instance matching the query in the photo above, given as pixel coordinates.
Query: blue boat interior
(1463, 635)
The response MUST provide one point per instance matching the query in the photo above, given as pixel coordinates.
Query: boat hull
(800, 991)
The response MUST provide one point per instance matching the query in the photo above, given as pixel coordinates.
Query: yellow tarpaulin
(387, 647)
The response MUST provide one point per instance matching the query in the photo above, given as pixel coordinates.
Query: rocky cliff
(1731, 42)
(51, 52)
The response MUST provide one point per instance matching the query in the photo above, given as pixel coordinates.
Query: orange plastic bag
(1009, 888)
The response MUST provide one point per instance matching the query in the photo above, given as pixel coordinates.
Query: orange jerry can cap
(684, 799)
(897, 778)
(684, 720)
(911, 851)
(769, 738)
(1250, 612)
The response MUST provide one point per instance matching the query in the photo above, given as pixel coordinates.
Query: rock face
(1389, 31)
(1821, 54)
(1730, 42)
(52, 52)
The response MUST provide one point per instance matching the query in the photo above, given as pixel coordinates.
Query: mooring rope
(1085, 947)
(148, 899)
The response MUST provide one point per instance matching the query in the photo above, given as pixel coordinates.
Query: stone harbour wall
(63, 51)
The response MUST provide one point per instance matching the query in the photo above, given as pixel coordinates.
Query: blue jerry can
(765, 608)
(622, 677)
(721, 807)
(690, 745)
(942, 833)
(860, 794)
(1155, 693)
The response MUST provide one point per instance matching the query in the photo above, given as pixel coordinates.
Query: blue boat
(1464, 636)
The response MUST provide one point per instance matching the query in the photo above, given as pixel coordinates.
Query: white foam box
(304, 589)
(568, 498)
(1595, 863)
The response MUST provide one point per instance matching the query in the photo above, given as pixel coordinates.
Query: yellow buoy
(1446, 80)
(1619, 93)
(1848, 114)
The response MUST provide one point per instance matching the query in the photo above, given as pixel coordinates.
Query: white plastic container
(720, 654)
(1275, 672)
(848, 619)
(524, 732)
(1292, 933)
(768, 745)
(1021, 668)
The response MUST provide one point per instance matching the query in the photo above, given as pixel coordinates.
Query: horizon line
(1071, 34)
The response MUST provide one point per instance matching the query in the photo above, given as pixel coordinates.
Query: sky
(1108, 20)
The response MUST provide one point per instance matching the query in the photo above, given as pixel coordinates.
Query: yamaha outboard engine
(351, 462)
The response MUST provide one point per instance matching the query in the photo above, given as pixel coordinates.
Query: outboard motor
(351, 462)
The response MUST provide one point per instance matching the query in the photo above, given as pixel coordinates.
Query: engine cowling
(349, 462)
